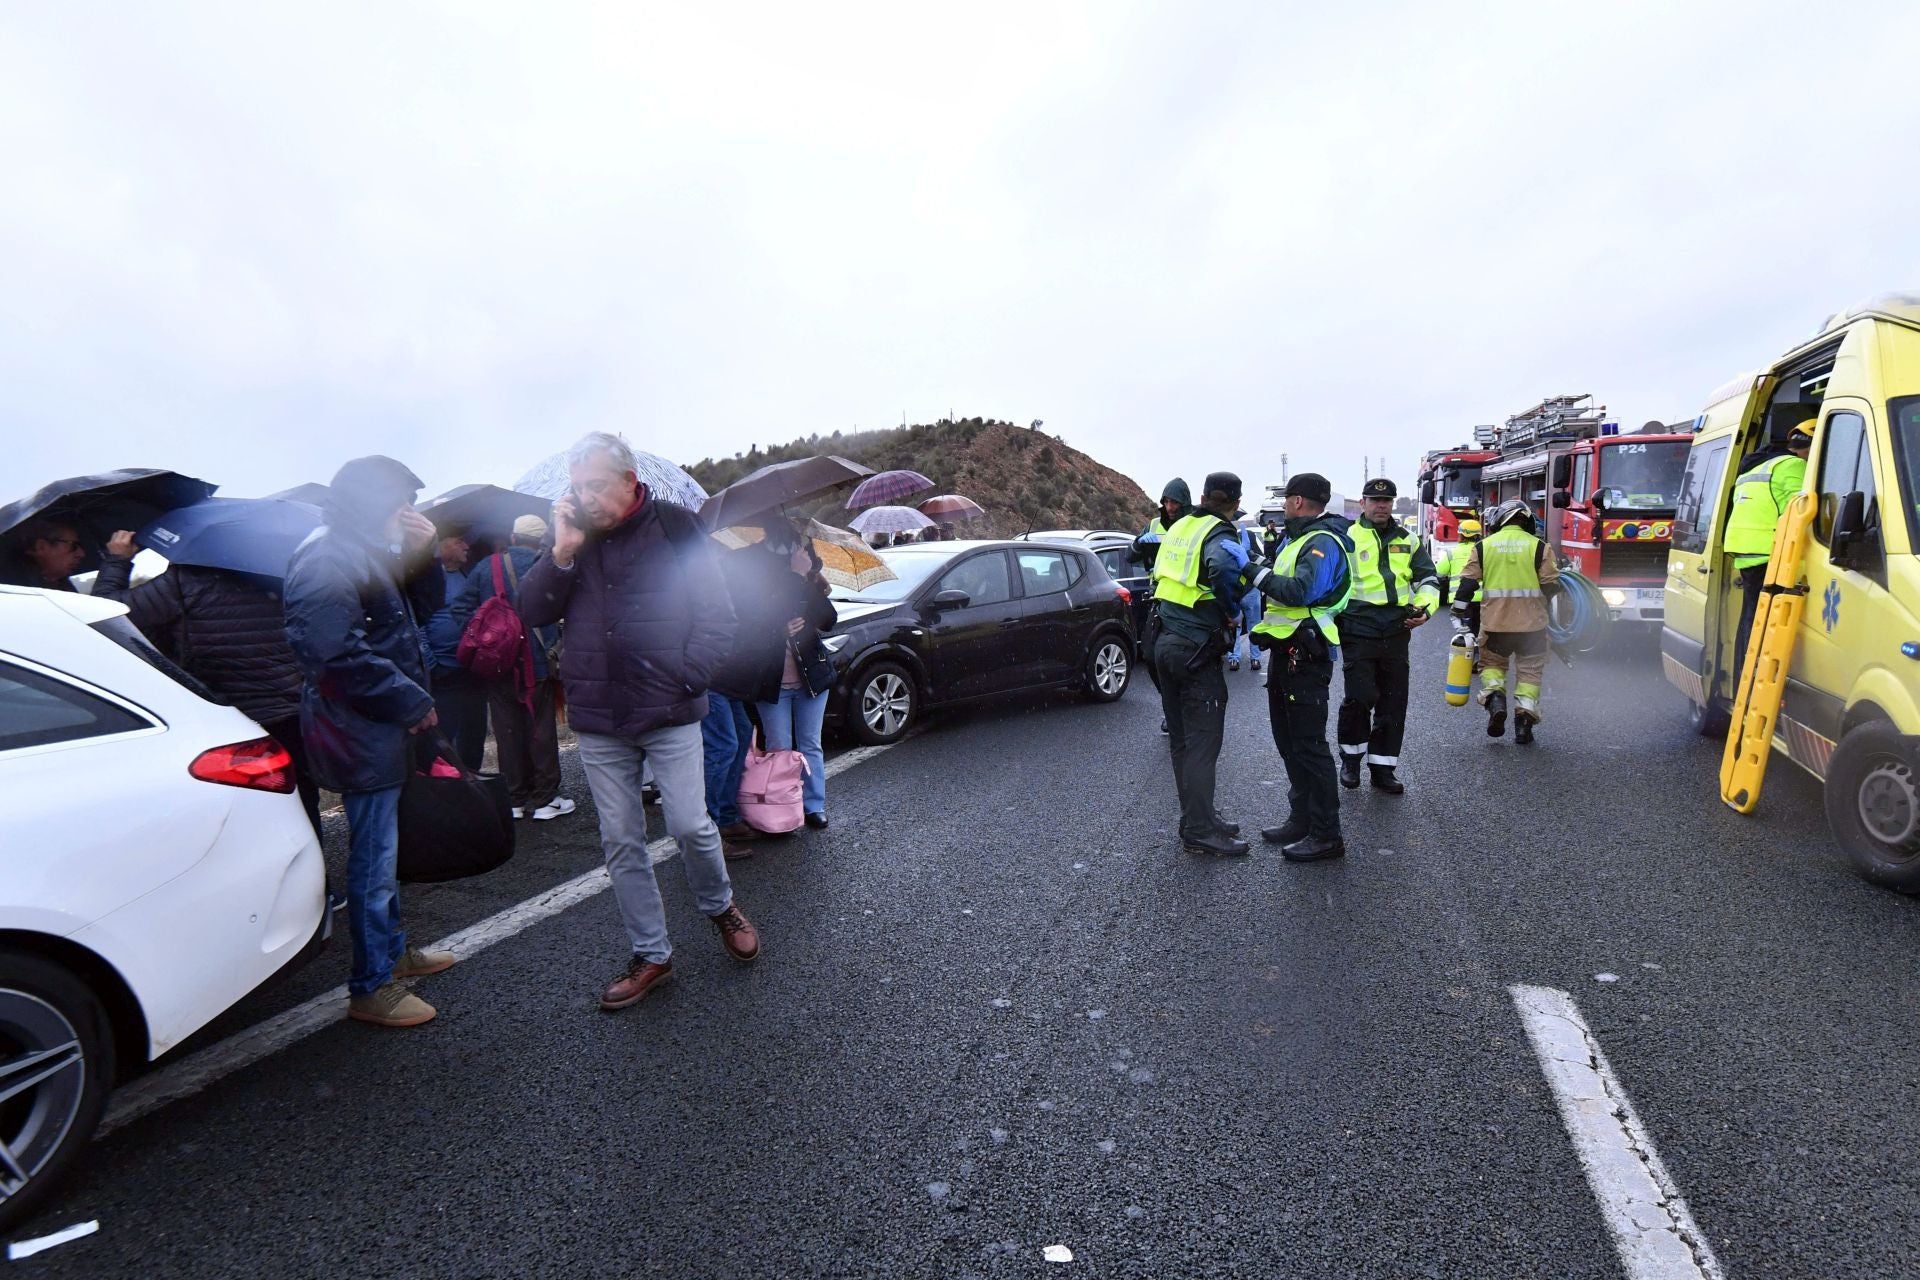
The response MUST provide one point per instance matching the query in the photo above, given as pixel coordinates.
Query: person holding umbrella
(51, 552)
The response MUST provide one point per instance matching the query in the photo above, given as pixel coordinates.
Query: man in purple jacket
(648, 620)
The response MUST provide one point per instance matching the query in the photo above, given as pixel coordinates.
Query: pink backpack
(770, 798)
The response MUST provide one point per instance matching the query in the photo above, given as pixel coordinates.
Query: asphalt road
(999, 1009)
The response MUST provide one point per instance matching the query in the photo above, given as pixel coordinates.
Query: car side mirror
(1849, 528)
(1426, 492)
(952, 598)
(1599, 500)
(1562, 498)
(1563, 471)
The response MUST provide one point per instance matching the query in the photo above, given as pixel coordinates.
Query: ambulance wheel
(1709, 719)
(1873, 804)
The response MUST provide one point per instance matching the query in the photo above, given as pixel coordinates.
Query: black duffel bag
(451, 828)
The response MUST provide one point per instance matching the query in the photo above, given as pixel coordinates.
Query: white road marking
(1652, 1228)
(190, 1075)
(27, 1248)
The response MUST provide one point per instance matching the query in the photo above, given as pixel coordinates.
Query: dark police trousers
(1297, 685)
(1373, 712)
(1193, 695)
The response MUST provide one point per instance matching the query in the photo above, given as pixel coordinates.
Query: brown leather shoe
(738, 831)
(737, 934)
(735, 852)
(642, 976)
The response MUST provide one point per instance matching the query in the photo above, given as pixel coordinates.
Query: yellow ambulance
(1850, 714)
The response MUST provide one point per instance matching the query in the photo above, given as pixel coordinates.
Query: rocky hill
(1024, 478)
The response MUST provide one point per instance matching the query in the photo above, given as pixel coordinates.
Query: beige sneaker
(390, 1006)
(418, 964)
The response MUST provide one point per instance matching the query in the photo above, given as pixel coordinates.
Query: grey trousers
(678, 757)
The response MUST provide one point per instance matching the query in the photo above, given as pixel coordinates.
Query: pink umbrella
(951, 508)
(887, 487)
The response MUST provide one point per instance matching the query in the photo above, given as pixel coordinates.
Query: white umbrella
(890, 520)
(550, 480)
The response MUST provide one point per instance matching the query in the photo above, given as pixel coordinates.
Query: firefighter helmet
(1512, 511)
(1469, 530)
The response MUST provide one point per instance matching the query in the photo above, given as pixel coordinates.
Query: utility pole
(1283, 468)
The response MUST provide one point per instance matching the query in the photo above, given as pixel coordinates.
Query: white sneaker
(559, 805)
(518, 812)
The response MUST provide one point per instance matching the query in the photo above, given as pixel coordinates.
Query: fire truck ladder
(1763, 673)
(1555, 418)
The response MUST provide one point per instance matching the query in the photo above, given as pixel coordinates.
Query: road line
(244, 1048)
(1652, 1228)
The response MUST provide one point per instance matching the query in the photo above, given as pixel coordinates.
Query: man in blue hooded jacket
(356, 591)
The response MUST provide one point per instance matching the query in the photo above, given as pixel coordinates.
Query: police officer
(1175, 501)
(1449, 558)
(1512, 570)
(1306, 589)
(1395, 590)
(1760, 496)
(1196, 583)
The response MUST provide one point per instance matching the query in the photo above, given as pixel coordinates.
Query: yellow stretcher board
(1763, 673)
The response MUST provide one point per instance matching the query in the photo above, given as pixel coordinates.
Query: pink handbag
(770, 791)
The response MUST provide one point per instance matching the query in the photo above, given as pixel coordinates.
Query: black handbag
(451, 828)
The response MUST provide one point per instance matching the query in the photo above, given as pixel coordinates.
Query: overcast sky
(251, 241)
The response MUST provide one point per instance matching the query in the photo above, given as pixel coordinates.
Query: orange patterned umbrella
(845, 561)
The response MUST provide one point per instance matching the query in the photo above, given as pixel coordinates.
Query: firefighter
(1760, 495)
(1512, 572)
(1197, 584)
(1452, 557)
(1307, 587)
(1395, 590)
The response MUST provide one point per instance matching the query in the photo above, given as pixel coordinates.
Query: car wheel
(1873, 804)
(55, 1049)
(1109, 669)
(884, 704)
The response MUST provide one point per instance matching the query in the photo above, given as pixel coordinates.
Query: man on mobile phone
(357, 590)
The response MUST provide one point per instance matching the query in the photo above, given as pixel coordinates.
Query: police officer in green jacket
(1395, 589)
(1197, 585)
(1760, 495)
(1306, 590)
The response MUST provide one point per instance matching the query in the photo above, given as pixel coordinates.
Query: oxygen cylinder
(1459, 669)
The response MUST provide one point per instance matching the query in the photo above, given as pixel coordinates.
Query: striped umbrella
(551, 481)
(951, 508)
(890, 520)
(888, 486)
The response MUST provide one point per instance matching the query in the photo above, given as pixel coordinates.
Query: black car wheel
(55, 1047)
(884, 703)
(1873, 804)
(1109, 668)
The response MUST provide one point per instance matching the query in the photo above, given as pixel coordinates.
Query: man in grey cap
(1197, 585)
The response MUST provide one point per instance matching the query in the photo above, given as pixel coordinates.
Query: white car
(156, 867)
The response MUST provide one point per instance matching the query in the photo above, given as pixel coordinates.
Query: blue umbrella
(246, 535)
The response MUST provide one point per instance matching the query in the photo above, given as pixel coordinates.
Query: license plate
(1653, 595)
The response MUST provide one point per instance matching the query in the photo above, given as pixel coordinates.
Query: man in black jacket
(354, 627)
(230, 633)
(1395, 590)
(648, 622)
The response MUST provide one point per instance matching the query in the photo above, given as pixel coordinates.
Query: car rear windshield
(1641, 475)
(1904, 414)
(914, 567)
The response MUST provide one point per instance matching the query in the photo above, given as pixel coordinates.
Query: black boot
(1523, 722)
(1383, 779)
(1349, 771)
(1315, 848)
(1496, 714)
(1231, 830)
(1291, 830)
(1220, 846)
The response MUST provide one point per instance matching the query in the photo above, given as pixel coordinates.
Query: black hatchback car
(967, 620)
(1115, 550)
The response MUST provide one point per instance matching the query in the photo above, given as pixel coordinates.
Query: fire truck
(1450, 486)
(1605, 501)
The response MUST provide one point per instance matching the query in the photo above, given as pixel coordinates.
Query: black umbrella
(771, 488)
(481, 508)
(100, 505)
(247, 535)
(314, 495)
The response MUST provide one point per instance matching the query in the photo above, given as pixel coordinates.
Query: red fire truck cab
(1450, 489)
(1605, 501)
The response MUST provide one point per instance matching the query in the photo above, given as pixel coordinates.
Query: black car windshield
(914, 567)
(1642, 475)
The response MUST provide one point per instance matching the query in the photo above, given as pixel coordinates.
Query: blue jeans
(728, 734)
(1251, 607)
(793, 724)
(373, 891)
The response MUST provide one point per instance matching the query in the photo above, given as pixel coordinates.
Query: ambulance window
(1699, 486)
(1846, 465)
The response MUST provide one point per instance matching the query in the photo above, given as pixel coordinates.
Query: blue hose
(1578, 620)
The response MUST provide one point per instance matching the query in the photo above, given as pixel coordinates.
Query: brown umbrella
(951, 508)
(771, 488)
(845, 561)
